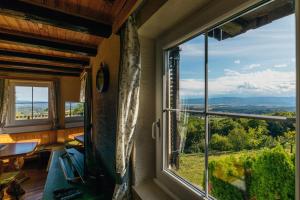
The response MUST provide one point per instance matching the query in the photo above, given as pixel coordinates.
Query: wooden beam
(40, 66)
(11, 53)
(45, 43)
(30, 71)
(124, 13)
(54, 17)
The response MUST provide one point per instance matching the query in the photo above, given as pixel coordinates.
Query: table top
(17, 149)
(79, 138)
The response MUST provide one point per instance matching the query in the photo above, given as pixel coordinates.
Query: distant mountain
(29, 102)
(245, 101)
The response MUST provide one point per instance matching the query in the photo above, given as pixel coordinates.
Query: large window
(29, 103)
(229, 107)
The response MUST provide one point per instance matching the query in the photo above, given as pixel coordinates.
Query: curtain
(54, 93)
(128, 104)
(83, 86)
(4, 100)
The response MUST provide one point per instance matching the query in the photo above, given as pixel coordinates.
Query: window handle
(155, 125)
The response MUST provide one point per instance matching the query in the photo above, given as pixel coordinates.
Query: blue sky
(260, 62)
(24, 93)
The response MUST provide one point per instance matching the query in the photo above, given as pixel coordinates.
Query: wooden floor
(34, 186)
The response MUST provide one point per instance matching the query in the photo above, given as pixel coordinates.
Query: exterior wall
(104, 112)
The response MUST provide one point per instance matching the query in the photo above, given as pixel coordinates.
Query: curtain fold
(128, 104)
(54, 93)
(83, 82)
(4, 100)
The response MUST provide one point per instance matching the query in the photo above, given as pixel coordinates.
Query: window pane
(67, 109)
(252, 62)
(251, 159)
(40, 103)
(23, 104)
(186, 75)
(77, 109)
(186, 146)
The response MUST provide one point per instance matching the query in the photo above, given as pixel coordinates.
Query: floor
(35, 169)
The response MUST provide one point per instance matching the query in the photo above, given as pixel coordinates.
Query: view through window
(31, 103)
(74, 109)
(230, 106)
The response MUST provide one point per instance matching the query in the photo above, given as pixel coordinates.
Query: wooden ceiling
(56, 36)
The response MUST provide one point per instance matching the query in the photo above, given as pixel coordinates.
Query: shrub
(272, 176)
(221, 175)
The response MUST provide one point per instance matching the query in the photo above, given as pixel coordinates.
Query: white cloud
(252, 66)
(237, 61)
(260, 83)
(280, 65)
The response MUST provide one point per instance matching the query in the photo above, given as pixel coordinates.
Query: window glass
(31, 103)
(186, 75)
(23, 103)
(187, 146)
(74, 109)
(252, 62)
(251, 158)
(40, 103)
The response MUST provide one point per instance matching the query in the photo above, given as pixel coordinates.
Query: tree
(220, 143)
(238, 138)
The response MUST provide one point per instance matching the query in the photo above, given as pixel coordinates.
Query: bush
(220, 143)
(221, 175)
(273, 176)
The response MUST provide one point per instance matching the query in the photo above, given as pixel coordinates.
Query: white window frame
(174, 185)
(11, 121)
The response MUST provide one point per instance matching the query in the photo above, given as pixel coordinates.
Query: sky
(258, 63)
(24, 93)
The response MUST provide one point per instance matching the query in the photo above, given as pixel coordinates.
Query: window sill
(11, 129)
(150, 190)
(177, 188)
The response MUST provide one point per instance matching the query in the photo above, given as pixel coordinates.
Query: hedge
(268, 174)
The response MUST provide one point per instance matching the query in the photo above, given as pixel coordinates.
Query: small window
(74, 110)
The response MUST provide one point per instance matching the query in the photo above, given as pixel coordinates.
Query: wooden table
(13, 150)
(79, 138)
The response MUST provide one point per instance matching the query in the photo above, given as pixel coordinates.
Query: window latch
(155, 125)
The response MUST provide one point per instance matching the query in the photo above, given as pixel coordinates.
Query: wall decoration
(102, 78)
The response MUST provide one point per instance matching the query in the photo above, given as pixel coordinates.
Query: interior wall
(144, 144)
(104, 112)
(69, 91)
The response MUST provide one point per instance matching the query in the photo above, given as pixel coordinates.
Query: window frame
(174, 185)
(11, 121)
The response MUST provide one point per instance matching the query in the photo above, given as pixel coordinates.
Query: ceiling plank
(57, 18)
(10, 53)
(30, 71)
(50, 44)
(40, 66)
